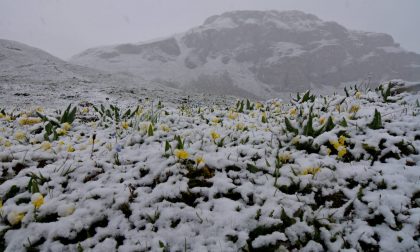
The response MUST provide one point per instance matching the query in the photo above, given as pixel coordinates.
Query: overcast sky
(67, 27)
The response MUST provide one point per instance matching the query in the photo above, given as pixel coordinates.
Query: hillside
(31, 77)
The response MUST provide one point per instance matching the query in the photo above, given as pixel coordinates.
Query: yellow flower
(66, 126)
(165, 128)
(310, 170)
(232, 115)
(125, 125)
(264, 116)
(214, 135)
(85, 110)
(277, 110)
(1, 115)
(181, 154)
(285, 157)
(39, 109)
(7, 143)
(293, 111)
(342, 151)
(45, 145)
(240, 126)
(358, 94)
(252, 126)
(335, 143)
(215, 120)
(70, 148)
(29, 120)
(295, 140)
(342, 140)
(199, 160)
(37, 200)
(8, 118)
(92, 142)
(328, 151)
(15, 218)
(354, 108)
(338, 107)
(258, 105)
(61, 132)
(92, 124)
(144, 126)
(20, 136)
(322, 120)
(139, 112)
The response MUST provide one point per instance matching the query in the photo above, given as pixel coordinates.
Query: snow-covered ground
(324, 173)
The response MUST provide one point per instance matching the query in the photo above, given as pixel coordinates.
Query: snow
(391, 49)
(222, 23)
(270, 239)
(128, 192)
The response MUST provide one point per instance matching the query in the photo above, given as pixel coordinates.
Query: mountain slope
(260, 53)
(30, 76)
(20, 62)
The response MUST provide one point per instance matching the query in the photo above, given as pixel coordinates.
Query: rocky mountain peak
(262, 54)
(284, 19)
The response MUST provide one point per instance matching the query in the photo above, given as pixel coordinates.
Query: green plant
(377, 121)
(52, 124)
(180, 142)
(385, 93)
(35, 181)
(240, 106)
(150, 130)
(306, 97)
(163, 246)
(289, 126)
(113, 114)
(308, 129)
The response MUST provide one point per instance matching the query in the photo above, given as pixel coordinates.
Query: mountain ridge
(261, 54)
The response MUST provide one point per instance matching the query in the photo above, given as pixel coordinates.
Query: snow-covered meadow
(334, 173)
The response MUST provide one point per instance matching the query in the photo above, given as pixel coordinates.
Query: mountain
(30, 76)
(23, 63)
(260, 54)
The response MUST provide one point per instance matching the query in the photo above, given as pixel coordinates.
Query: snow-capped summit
(293, 20)
(260, 54)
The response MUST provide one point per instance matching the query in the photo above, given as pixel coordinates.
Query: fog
(64, 27)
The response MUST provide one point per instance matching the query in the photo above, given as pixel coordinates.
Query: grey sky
(66, 27)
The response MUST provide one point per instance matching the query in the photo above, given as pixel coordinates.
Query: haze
(65, 28)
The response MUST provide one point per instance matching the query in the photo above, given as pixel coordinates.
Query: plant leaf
(377, 121)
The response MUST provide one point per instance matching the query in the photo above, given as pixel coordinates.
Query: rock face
(260, 54)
